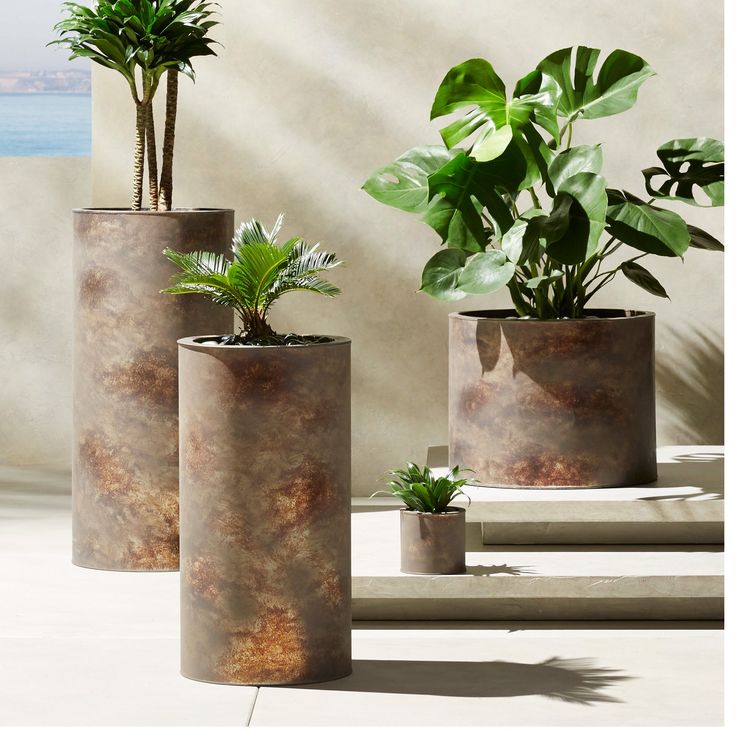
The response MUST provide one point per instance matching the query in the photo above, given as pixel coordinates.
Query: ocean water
(45, 124)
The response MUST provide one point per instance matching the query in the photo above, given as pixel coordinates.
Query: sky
(24, 32)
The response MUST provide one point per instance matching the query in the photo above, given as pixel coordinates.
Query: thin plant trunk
(151, 158)
(167, 162)
(139, 155)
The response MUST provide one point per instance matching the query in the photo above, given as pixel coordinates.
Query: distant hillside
(71, 82)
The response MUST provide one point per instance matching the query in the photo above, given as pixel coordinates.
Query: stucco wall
(36, 199)
(308, 98)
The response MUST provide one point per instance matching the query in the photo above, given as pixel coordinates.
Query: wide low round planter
(125, 466)
(553, 403)
(265, 512)
(433, 544)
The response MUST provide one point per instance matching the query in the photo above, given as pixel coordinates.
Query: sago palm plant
(262, 270)
(142, 40)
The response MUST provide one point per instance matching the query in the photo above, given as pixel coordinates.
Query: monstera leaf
(464, 186)
(474, 83)
(573, 161)
(639, 275)
(644, 227)
(688, 163)
(403, 183)
(581, 95)
(703, 240)
(578, 218)
(452, 274)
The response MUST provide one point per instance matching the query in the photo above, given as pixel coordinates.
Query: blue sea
(45, 124)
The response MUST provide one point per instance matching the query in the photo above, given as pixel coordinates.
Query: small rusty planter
(553, 403)
(433, 544)
(125, 466)
(265, 512)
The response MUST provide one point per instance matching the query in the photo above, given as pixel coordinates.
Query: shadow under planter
(125, 469)
(565, 403)
(265, 512)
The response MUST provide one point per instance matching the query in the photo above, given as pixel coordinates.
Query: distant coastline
(45, 82)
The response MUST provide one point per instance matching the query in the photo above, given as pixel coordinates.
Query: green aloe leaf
(644, 227)
(688, 164)
(639, 275)
(403, 183)
(582, 94)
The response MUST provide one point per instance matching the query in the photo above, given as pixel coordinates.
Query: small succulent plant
(422, 491)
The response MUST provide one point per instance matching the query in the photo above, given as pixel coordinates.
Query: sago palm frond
(261, 271)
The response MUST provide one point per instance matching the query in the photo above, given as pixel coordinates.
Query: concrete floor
(82, 647)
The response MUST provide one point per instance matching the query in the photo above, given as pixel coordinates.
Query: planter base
(265, 512)
(553, 403)
(125, 484)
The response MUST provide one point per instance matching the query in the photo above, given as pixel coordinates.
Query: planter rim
(189, 343)
(508, 315)
(450, 511)
(153, 213)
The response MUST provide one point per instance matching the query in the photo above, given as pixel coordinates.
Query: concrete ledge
(684, 506)
(534, 582)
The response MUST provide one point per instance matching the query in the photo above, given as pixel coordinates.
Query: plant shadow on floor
(568, 680)
(482, 570)
(702, 471)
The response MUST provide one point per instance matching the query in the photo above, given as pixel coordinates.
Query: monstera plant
(518, 205)
(553, 393)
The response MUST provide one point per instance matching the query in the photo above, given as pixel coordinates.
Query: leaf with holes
(582, 94)
(688, 164)
(403, 183)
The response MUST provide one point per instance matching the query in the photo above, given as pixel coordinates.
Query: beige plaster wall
(308, 98)
(36, 199)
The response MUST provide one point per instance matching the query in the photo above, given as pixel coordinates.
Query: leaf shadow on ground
(578, 681)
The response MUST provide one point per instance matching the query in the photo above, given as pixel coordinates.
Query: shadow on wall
(569, 680)
(690, 387)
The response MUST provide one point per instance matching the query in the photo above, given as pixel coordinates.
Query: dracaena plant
(518, 205)
(422, 491)
(142, 40)
(261, 271)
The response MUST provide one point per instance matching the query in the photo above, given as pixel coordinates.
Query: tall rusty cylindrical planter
(125, 465)
(433, 544)
(265, 512)
(553, 403)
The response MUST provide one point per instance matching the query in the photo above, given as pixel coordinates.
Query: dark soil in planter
(288, 339)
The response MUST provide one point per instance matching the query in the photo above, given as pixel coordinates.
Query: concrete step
(684, 506)
(541, 582)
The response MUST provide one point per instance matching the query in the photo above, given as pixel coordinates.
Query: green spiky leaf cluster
(261, 271)
(147, 35)
(517, 205)
(422, 491)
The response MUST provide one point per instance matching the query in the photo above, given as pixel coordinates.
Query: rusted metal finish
(125, 466)
(433, 544)
(265, 512)
(553, 403)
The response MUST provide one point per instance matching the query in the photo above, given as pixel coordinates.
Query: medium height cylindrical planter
(125, 469)
(265, 512)
(433, 544)
(553, 403)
